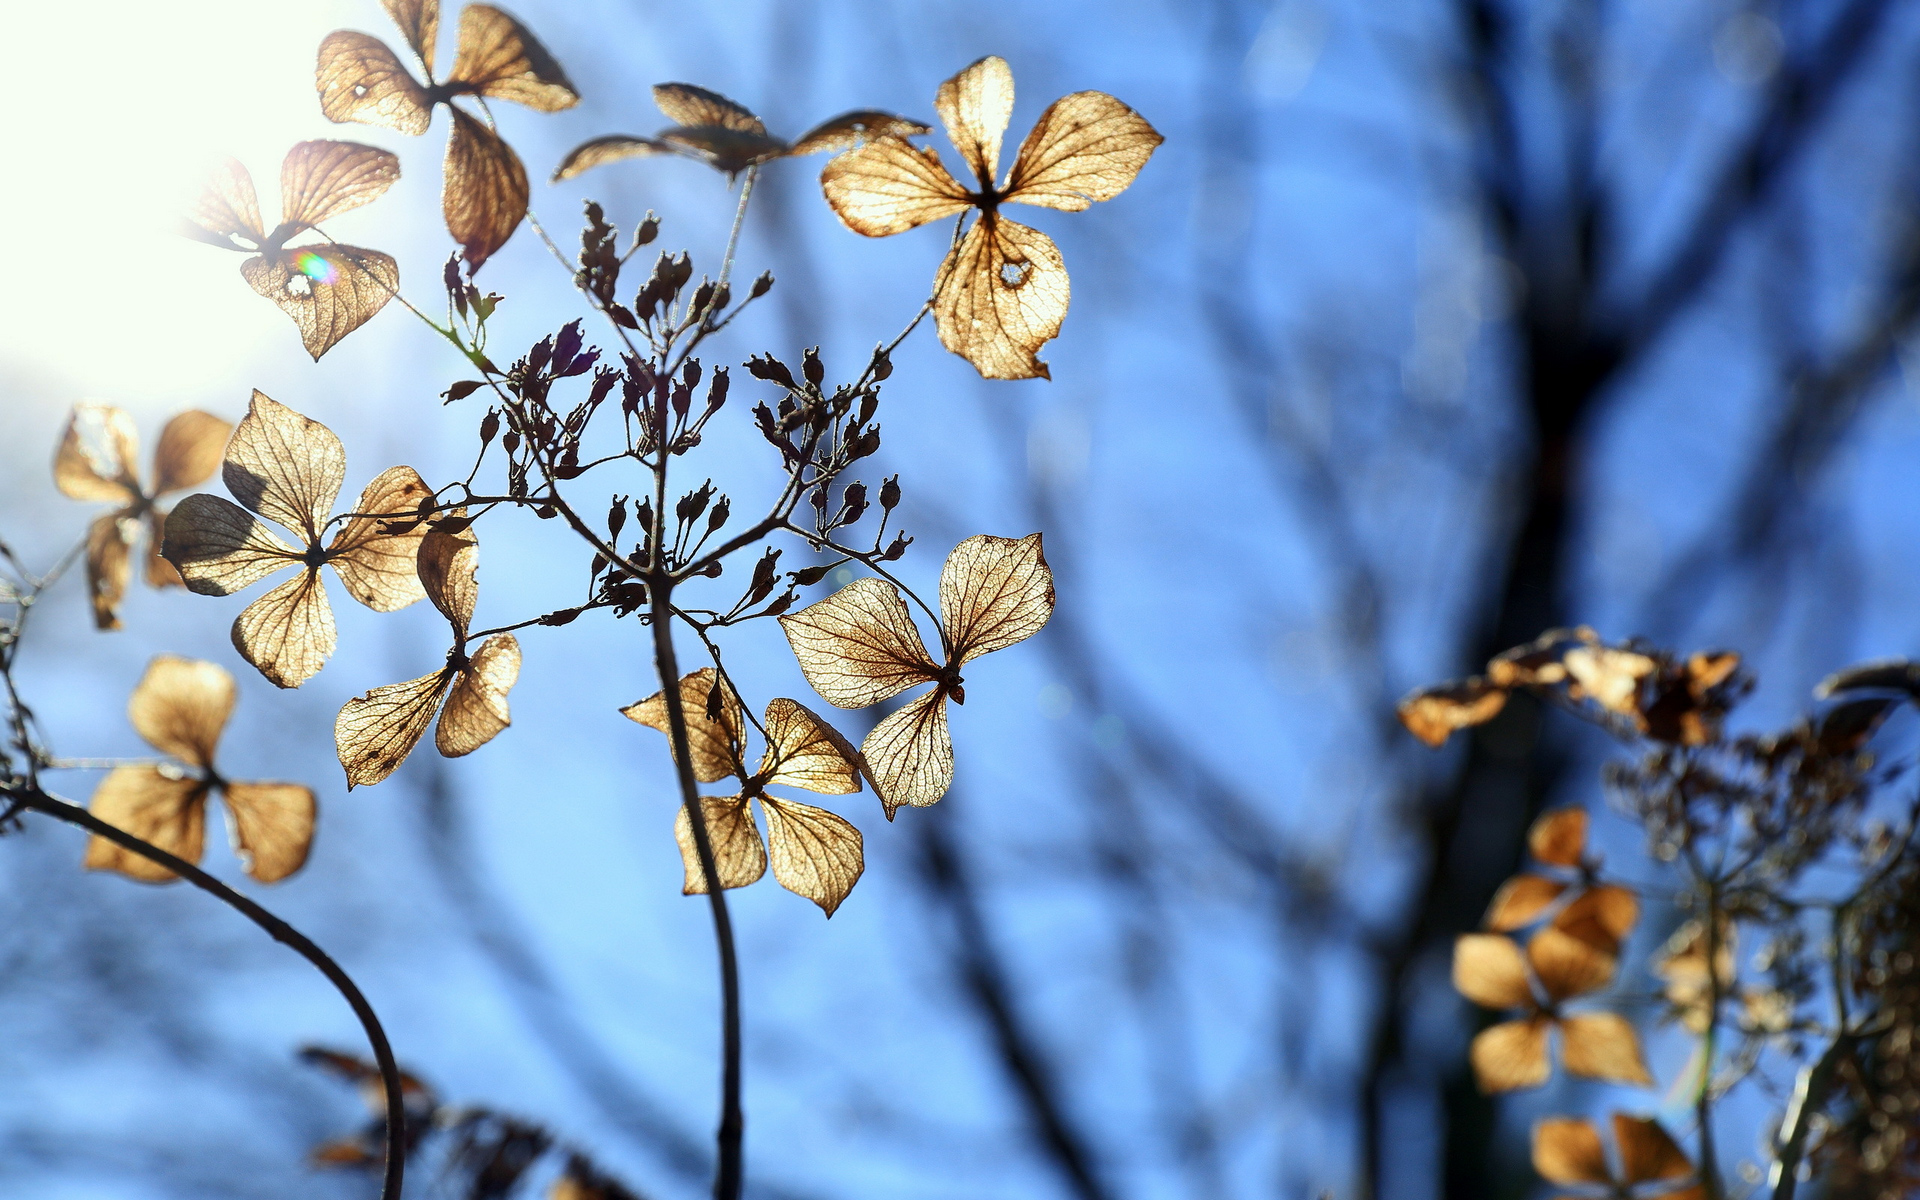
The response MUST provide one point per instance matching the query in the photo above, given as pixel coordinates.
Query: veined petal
(180, 707)
(97, 456)
(219, 548)
(189, 452)
(804, 751)
(484, 195)
(714, 743)
(158, 809)
(859, 646)
(1568, 1150)
(1085, 147)
(738, 854)
(500, 57)
(476, 708)
(360, 79)
(288, 633)
(889, 186)
(975, 106)
(109, 566)
(328, 289)
(1511, 1055)
(910, 754)
(272, 827)
(375, 732)
(321, 179)
(815, 853)
(382, 570)
(994, 592)
(286, 467)
(1003, 293)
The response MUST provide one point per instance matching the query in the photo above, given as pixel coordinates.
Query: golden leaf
(889, 186)
(500, 58)
(287, 634)
(449, 569)
(419, 22)
(909, 755)
(1003, 294)
(485, 195)
(1566, 966)
(1602, 1046)
(477, 705)
(1521, 900)
(272, 827)
(815, 853)
(286, 467)
(975, 106)
(376, 731)
(360, 79)
(1085, 147)
(229, 207)
(857, 128)
(329, 290)
(108, 568)
(994, 592)
(804, 751)
(1489, 970)
(1611, 677)
(1559, 837)
(180, 707)
(688, 105)
(319, 180)
(164, 811)
(98, 455)
(380, 568)
(738, 855)
(1602, 917)
(713, 744)
(189, 452)
(1568, 1150)
(1647, 1152)
(859, 646)
(1433, 714)
(603, 150)
(1511, 1055)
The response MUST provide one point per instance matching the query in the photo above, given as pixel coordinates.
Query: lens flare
(314, 267)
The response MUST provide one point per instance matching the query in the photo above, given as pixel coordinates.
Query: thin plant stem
(41, 802)
(739, 219)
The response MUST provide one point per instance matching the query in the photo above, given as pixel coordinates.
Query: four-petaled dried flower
(859, 646)
(180, 708)
(328, 289)
(815, 853)
(1597, 915)
(98, 460)
(727, 136)
(1567, 1150)
(1489, 970)
(360, 79)
(375, 732)
(288, 469)
(1002, 292)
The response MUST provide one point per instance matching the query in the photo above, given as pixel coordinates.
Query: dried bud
(722, 296)
(715, 697)
(511, 441)
(898, 547)
(761, 286)
(882, 365)
(717, 390)
(854, 502)
(808, 576)
(702, 297)
(692, 373)
(812, 367)
(648, 230)
(890, 492)
(616, 518)
(461, 390)
(782, 603)
(722, 508)
(772, 370)
(561, 617)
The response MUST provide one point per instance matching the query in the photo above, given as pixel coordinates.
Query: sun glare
(113, 166)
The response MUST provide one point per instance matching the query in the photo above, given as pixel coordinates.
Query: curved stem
(279, 931)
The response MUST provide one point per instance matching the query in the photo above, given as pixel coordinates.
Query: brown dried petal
(738, 855)
(485, 193)
(109, 550)
(815, 853)
(449, 565)
(1085, 147)
(975, 106)
(1566, 966)
(1488, 969)
(1601, 916)
(360, 79)
(229, 206)
(1603, 1046)
(1003, 293)
(288, 633)
(419, 22)
(1538, 661)
(189, 452)
(1647, 1152)
(500, 57)
(1521, 900)
(1433, 714)
(329, 290)
(909, 755)
(602, 150)
(889, 186)
(180, 707)
(1559, 837)
(166, 812)
(160, 572)
(686, 104)
(859, 646)
(285, 467)
(1611, 677)
(219, 548)
(477, 706)
(1568, 1150)
(994, 592)
(1511, 1055)
(729, 150)
(804, 751)
(98, 454)
(380, 569)
(714, 745)
(272, 827)
(857, 128)
(375, 732)
(319, 180)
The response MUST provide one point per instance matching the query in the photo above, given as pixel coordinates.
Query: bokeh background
(1433, 323)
